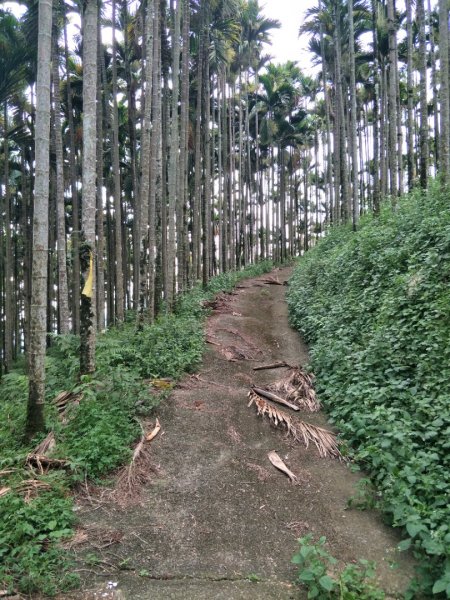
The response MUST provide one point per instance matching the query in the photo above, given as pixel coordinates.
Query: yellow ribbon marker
(88, 286)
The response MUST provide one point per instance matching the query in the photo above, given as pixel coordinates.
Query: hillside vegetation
(375, 307)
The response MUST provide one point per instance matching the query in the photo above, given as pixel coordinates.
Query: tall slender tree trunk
(63, 292)
(38, 318)
(353, 129)
(8, 263)
(120, 301)
(101, 322)
(88, 247)
(423, 132)
(410, 92)
(174, 144)
(444, 92)
(144, 187)
(392, 102)
(75, 202)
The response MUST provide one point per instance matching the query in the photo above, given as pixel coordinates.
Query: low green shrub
(319, 574)
(374, 306)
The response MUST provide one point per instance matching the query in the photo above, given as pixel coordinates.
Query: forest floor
(217, 520)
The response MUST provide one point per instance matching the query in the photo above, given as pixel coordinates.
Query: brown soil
(218, 520)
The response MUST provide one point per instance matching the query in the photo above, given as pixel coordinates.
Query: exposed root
(302, 432)
(297, 388)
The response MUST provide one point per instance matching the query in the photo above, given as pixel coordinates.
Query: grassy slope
(99, 433)
(375, 307)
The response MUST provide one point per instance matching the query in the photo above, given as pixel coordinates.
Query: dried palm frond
(302, 432)
(298, 388)
(132, 477)
(43, 463)
(46, 445)
(30, 488)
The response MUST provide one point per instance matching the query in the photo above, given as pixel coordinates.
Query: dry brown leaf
(301, 431)
(154, 432)
(279, 464)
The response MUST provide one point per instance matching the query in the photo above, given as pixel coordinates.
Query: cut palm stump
(302, 432)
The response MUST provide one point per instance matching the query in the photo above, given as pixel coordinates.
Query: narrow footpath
(217, 520)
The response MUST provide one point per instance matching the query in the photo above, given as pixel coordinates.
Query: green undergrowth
(375, 307)
(99, 431)
(320, 575)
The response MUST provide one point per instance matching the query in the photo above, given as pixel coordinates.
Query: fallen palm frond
(271, 281)
(274, 398)
(94, 536)
(43, 463)
(302, 432)
(132, 477)
(30, 488)
(4, 491)
(65, 399)
(46, 445)
(298, 388)
(279, 464)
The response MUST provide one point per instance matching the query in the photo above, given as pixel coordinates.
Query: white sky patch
(286, 45)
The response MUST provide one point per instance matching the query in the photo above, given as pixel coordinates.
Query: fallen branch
(274, 398)
(279, 464)
(277, 365)
(302, 432)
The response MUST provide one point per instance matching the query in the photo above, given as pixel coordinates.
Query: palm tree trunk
(392, 103)
(353, 131)
(174, 144)
(116, 176)
(444, 93)
(75, 202)
(88, 248)
(410, 92)
(38, 318)
(144, 188)
(63, 293)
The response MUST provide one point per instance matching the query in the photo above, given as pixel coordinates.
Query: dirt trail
(218, 521)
